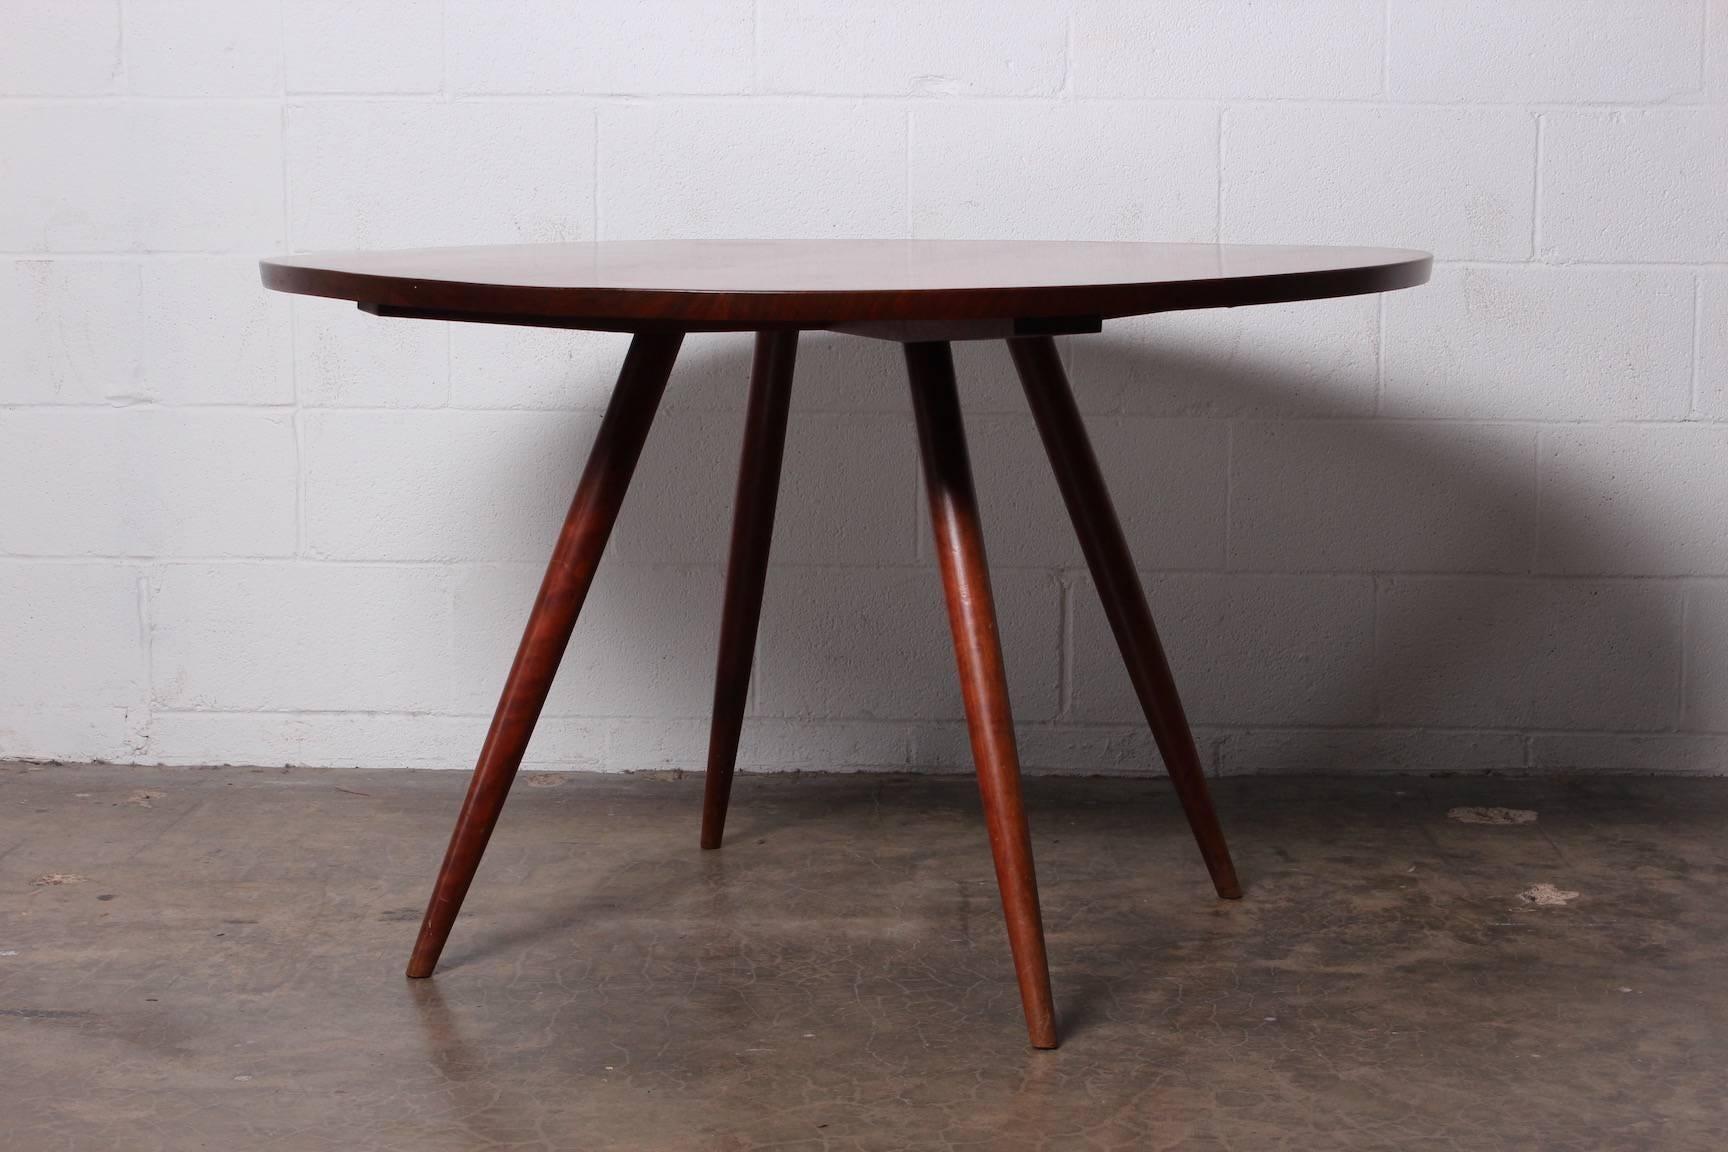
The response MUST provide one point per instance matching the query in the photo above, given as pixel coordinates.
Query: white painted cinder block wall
(1479, 525)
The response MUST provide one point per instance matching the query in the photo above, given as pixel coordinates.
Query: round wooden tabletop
(710, 285)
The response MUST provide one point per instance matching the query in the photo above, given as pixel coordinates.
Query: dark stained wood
(922, 293)
(575, 557)
(983, 681)
(1088, 499)
(900, 331)
(697, 285)
(516, 320)
(926, 331)
(747, 569)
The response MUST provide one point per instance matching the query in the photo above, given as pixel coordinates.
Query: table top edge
(746, 307)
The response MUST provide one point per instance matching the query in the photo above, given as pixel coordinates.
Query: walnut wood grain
(983, 680)
(747, 568)
(1106, 549)
(575, 558)
(700, 285)
(922, 293)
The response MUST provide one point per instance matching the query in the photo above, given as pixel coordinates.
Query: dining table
(923, 295)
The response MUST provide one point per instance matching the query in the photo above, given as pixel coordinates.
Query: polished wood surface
(747, 568)
(575, 558)
(692, 285)
(923, 293)
(1083, 489)
(983, 680)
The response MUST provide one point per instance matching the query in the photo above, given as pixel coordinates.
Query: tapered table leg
(605, 479)
(1083, 490)
(747, 568)
(983, 682)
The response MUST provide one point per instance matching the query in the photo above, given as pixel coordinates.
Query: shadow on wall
(1492, 617)
(1338, 590)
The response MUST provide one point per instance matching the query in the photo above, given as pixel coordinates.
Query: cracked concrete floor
(211, 959)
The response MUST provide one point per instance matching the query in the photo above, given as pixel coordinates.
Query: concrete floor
(211, 959)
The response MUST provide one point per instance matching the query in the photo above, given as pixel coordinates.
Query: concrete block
(439, 485)
(363, 45)
(875, 644)
(58, 49)
(344, 357)
(1244, 650)
(1315, 358)
(1453, 181)
(73, 331)
(648, 47)
(1064, 171)
(74, 637)
(1711, 396)
(401, 174)
(1543, 51)
(212, 334)
(315, 739)
(1522, 652)
(1215, 49)
(1705, 706)
(1635, 185)
(697, 169)
(644, 644)
(1369, 752)
(111, 177)
(1382, 496)
(1168, 480)
(202, 48)
(297, 637)
(1672, 754)
(905, 48)
(1634, 500)
(147, 482)
(848, 491)
(500, 366)
(1542, 343)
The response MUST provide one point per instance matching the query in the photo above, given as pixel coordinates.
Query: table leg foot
(605, 479)
(1083, 489)
(747, 567)
(983, 681)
